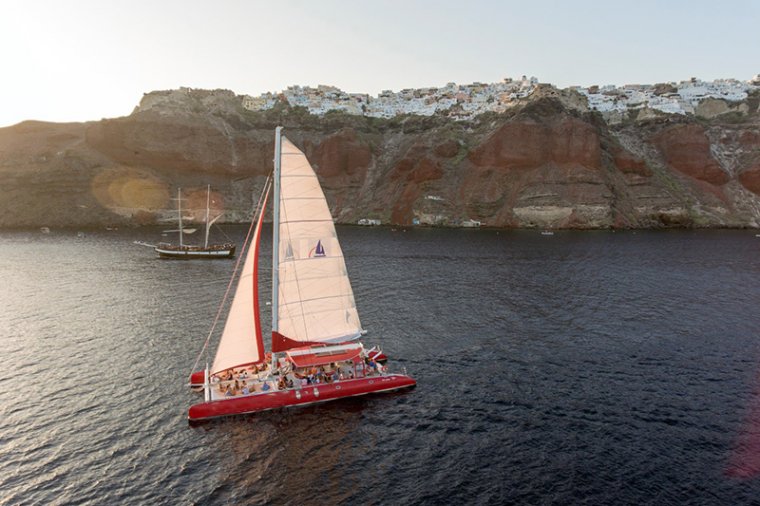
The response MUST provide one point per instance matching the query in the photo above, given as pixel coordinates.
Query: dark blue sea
(579, 368)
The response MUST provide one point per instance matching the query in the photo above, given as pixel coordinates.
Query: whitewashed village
(466, 101)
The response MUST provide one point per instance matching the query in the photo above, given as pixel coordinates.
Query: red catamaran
(315, 356)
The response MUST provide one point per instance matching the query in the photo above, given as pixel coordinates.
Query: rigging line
(264, 190)
(222, 231)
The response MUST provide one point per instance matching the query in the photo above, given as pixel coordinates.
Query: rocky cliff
(548, 161)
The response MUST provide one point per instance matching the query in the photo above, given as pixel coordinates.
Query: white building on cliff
(469, 100)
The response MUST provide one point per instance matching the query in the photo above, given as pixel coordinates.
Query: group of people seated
(243, 381)
(258, 378)
(252, 371)
(332, 374)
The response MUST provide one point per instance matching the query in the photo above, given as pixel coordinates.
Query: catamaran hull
(299, 397)
(197, 379)
(201, 253)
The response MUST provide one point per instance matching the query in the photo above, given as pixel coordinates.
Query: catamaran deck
(249, 381)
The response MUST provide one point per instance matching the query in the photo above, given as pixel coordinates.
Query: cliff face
(548, 162)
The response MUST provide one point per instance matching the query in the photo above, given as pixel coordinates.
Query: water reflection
(744, 461)
(288, 456)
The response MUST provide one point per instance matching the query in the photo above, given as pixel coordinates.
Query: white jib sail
(316, 302)
(238, 344)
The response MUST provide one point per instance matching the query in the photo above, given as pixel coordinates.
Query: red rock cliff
(547, 163)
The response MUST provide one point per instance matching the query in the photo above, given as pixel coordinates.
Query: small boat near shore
(188, 251)
(167, 250)
(315, 353)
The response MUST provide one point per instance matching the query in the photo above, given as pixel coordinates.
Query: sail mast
(179, 214)
(208, 202)
(276, 227)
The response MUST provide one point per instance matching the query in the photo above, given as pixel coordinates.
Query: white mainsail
(315, 299)
(241, 339)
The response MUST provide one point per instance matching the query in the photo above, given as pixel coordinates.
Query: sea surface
(579, 368)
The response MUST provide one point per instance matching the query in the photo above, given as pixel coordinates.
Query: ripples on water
(597, 367)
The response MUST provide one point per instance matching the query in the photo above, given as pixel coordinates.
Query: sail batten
(304, 221)
(314, 293)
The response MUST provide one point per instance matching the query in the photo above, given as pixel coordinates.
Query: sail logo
(317, 251)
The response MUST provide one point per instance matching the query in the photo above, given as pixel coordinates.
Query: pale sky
(80, 60)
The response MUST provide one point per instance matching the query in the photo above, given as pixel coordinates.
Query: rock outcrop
(549, 161)
(686, 149)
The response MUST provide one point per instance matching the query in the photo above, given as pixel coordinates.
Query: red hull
(197, 379)
(299, 397)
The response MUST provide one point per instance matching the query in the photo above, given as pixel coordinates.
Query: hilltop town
(455, 101)
(463, 102)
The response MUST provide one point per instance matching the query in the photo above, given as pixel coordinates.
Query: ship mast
(276, 230)
(179, 215)
(208, 203)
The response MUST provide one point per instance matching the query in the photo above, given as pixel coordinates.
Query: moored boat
(167, 250)
(188, 251)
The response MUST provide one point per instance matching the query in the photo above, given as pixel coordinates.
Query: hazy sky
(78, 60)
